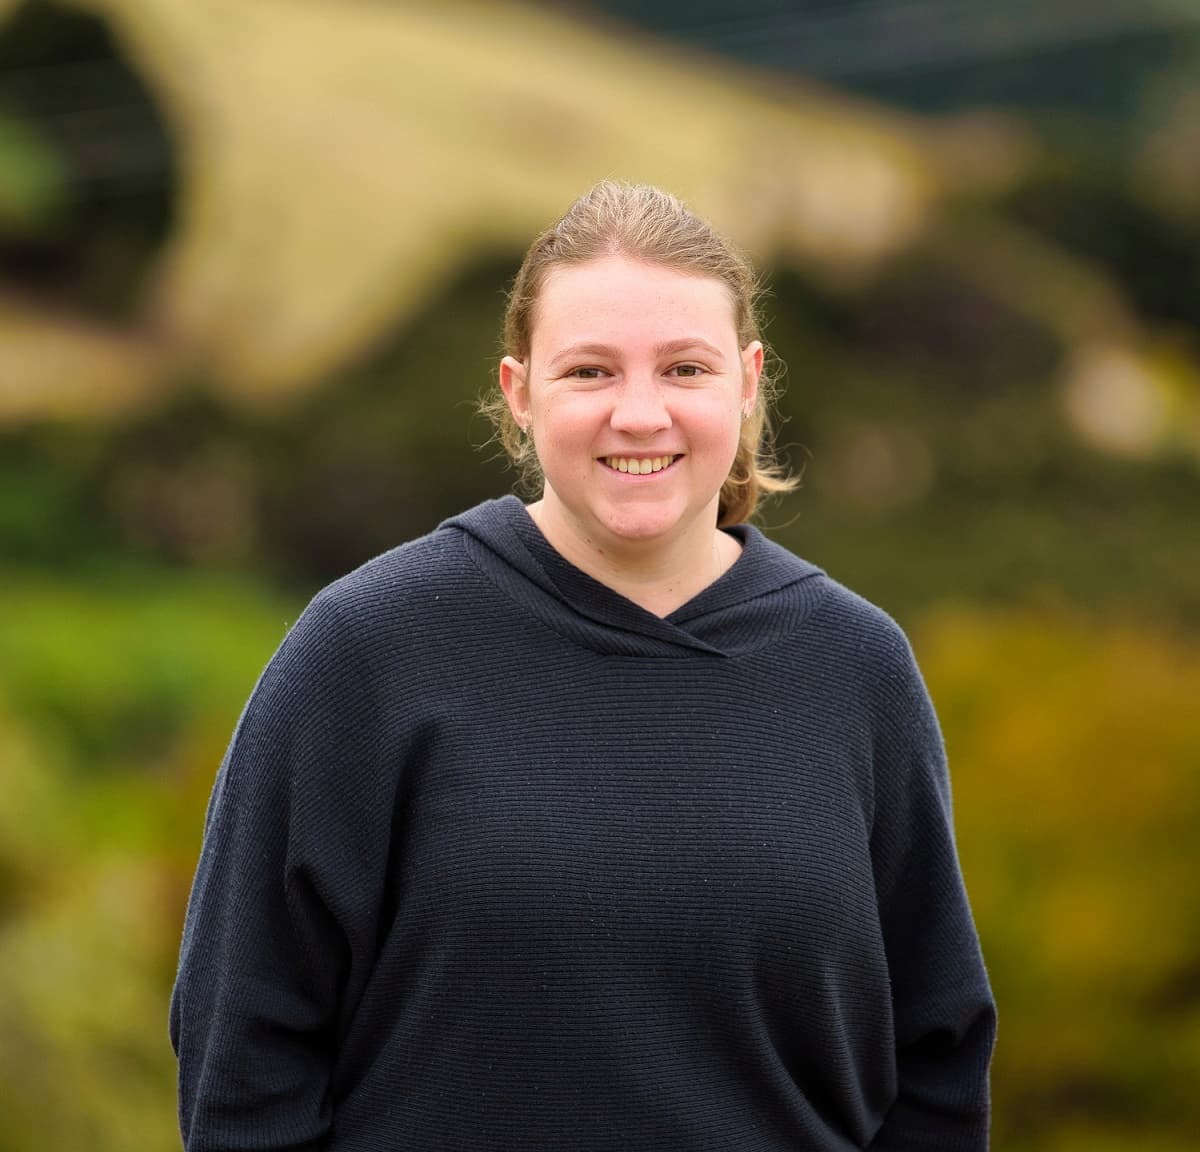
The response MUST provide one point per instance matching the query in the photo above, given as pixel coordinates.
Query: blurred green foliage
(116, 698)
(1077, 801)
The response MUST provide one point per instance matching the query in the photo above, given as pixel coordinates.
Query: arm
(943, 1010)
(282, 921)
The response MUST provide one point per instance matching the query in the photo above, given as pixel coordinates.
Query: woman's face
(633, 393)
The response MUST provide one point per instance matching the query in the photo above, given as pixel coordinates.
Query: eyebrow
(670, 348)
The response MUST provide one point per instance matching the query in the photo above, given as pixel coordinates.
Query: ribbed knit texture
(497, 860)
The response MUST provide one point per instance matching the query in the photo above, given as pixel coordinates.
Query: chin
(647, 524)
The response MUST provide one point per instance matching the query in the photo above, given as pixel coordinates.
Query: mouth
(638, 465)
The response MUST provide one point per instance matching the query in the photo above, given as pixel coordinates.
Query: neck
(658, 576)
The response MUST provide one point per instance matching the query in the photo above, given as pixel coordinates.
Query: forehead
(618, 297)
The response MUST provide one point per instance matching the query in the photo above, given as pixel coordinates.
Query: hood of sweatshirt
(764, 595)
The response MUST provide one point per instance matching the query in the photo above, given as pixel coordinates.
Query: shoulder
(868, 657)
(419, 572)
(425, 562)
(848, 627)
(864, 649)
(396, 582)
(886, 672)
(860, 628)
(365, 613)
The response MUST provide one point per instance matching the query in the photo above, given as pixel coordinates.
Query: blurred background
(253, 256)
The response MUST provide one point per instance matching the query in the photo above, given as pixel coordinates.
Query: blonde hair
(645, 223)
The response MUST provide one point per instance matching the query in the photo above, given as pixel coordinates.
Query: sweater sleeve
(943, 1009)
(282, 922)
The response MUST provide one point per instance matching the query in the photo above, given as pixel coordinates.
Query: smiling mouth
(638, 465)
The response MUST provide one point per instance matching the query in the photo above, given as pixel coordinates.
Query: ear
(752, 363)
(514, 383)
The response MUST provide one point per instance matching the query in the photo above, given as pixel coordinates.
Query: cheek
(569, 418)
(565, 432)
(719, 422)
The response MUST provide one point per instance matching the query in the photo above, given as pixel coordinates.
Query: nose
(639, 407)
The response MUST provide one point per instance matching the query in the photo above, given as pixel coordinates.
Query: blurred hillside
(252, 266)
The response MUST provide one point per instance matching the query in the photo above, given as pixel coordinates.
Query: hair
(644, 223)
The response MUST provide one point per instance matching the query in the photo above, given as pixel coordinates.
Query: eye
(687, 371)
(587, 373)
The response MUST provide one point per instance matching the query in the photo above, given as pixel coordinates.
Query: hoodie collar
(764, 594)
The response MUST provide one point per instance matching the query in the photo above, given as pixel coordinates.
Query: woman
(599, 824)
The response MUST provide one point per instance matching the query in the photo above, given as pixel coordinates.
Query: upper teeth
(638, 467)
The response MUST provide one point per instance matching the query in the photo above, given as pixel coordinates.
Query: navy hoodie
(499, 860)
